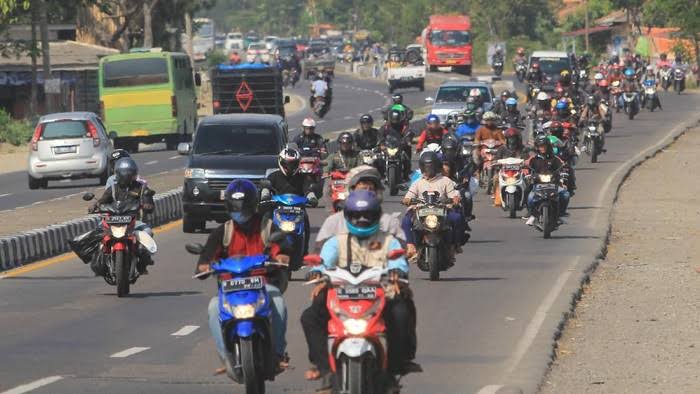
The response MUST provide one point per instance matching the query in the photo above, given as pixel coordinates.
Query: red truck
(447, 43)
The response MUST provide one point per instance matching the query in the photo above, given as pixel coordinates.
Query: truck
(405, 69)
(247, 88)
(447, 43)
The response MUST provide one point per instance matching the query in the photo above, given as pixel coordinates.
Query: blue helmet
(432, 118)
(362, 213)
(629, 72)
(561, 104)
(511, 101)
(241, 200)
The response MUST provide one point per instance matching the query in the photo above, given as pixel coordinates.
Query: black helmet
(345, 141)
(541, 140)
(366, 119)
(116, 155)
(288, 161)
(241, 200)
(126, 171)
(505, 94)
(397, 98)
(429, 164)
(395, 117)
(449, 147)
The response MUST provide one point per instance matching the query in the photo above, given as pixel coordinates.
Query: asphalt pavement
(351, 98)
(485, 324)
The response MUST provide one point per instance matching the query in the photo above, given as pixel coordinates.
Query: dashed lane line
(25, 388)
(175, 157)
(129, 352)
(186, 330)
(149, 163)
(5, 195)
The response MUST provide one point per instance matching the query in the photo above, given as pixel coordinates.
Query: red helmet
(512, 132)
(535, 65)
(603, 83)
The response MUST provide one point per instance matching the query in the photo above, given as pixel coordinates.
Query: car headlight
(355, 326)
(287, 226)
(431, 222)
(118, 231)
(194, 173)
(392, 151)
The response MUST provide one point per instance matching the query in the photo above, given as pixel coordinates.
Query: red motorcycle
(357, 348)
(339, 189)
(310, 163)
(488, 153)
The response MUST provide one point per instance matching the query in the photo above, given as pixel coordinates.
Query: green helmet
(556, 143)
(398, 107)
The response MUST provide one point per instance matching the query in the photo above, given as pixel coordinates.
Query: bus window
(135, 72)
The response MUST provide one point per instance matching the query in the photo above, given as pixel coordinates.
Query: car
(552, 63)
(257, 49)
(270, 42)
(68, 145)
(452, 96)
(234, 40)
(227, 147)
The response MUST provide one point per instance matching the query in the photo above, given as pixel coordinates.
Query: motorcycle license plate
(118, 219)
(356, 293)
(430, 211)
(239, 284)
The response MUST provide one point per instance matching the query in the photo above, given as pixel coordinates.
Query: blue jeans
(454, 218)
(564, 197)
(278, 317)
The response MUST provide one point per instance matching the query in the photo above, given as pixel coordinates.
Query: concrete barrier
(26, 247)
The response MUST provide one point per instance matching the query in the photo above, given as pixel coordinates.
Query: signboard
(52, 86)
(244, 96)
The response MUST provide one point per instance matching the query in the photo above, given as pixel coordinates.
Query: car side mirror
(429, 100)
(195, 249)
(88, 196)
(197, 79)
(183, 148)
(287, 100)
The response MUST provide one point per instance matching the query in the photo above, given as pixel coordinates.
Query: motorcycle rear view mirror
(395, 254)
(312, 260)
(403, 187)
(195, 249)
(88, 196)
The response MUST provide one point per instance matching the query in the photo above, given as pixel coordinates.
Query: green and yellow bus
(148, 96)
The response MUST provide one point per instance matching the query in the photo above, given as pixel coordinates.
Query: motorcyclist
(288, 180)
(470, 125)
(603, 91)
(519, 58)
(319, 87)
(432, 180)
(499, 107)
(651, 76)
(511, 115)
(367, 136)
(614, 58)
(543, 162)
(629, 84)
(127, 187)
(489, 131)
(472, 104)
(663, 61)
(308, 137)
(432, 134)
(246, 233)
(397, 99)
(363, 242)
(564, 146)
(562, 112)
(543, 107)
(497, 54)
(397, 128)
(347, 157)
(535, 77)
(514, 146)
(117, 155)
(475, 95)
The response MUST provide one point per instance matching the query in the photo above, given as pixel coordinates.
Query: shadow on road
(467, 279)
(582, 208)
(161, 294)
(574, 237)
(50, 277)
(485, 241)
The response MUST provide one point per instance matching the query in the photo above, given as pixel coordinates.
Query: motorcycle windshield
(239, 264)
(289, 199)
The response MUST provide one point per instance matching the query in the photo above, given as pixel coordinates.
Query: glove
(265, 195)
(313, 201)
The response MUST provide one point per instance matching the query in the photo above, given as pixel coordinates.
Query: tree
(633, 9)
(147, 26)
(684, 14)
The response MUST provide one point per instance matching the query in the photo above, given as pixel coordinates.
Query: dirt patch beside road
(13, 158)
(636, 328)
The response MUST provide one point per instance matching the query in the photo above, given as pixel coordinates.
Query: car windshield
(135, 72)
(286, 51)
(236, 140)
(318, 50)
(449, 38)
(64, 129)
(448, 94)
(552, 65)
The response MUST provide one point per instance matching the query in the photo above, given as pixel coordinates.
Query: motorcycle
(394, 162)
(665, 76)
(498, 67)
(615, 92)
(369, 157)
(521, 71)
(678, 80)
(546, 211)
(593, 141)
(320, 106)
(606, 113)
(631, 104)
(288, 216)
(511, 181)
(488, 152)
(310, 163)
(431, 227)
(339, 189)
(357, 350)
(650, 100)
(245, 316)
(121, 244)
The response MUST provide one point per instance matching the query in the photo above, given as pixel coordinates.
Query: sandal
(312, 374)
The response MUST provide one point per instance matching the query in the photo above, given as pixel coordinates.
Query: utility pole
(188, 32)
(45, 52)
(585, 2)
(33, 54)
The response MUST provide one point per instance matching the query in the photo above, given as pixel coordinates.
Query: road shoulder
(635, 327)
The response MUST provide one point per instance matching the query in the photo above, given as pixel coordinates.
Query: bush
(15, 132)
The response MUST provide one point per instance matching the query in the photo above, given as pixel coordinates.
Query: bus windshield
(135, 72)
(449, 38)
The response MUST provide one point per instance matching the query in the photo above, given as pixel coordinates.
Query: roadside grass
(14, 132)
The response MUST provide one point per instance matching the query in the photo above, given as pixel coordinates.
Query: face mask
(362, 232)
(239, 218)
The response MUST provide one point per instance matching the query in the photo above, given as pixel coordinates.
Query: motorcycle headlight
(592, 129)
(355, 326)
(118, 231)
(368, 160)
(392, 151)
(511, 180)
(243, 311)
(194, 173)
(287, 226)
(342, 196)
(545, 178)
(431, 222)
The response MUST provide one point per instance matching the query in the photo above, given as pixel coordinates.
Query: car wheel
(35, 183)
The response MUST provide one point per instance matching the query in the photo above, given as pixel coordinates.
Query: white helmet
(542, 96)
(650, 68)
(308, 122)
(490, 116)
(598, 76)
(475, 93)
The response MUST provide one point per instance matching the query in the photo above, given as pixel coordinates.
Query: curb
(532, 374)
(29, 246)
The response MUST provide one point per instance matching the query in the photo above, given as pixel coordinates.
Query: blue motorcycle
(245, 313)
(288, 217)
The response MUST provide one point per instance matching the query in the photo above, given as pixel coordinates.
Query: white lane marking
(490, 389)
(129, 352)
(148, 163)
(186, 330)
(347, 117)
(25, 388)
(540, 314)
(359, 114)
(321, 121)
(174, 157)
(5, 195)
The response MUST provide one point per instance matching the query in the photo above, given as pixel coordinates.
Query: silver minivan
(68, 145)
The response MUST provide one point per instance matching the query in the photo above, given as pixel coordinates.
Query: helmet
(395, 116)
(629, 73)
(650, 68)
(308, 122)
(513, 138)
(449, 147)
(117, 154)
(490, 116)
(397, 98)
(319, 76)
(241, 200)
(590, 100)
(542, 140)
(366, 119)
(556, 128)
(365, 173)
(432, 118)
(598, 76)
(126, 171)
(561, 104)
(505, 93)
(604, 83)
(520, 51)
(542, 96)
(345, 141)
(511, 102)
(429, 164)
(288, 161)
(565, 76)
(362, 213)
(475, 93)
(559, 91)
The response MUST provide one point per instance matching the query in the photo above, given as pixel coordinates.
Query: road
(352, 98)
(480, 327)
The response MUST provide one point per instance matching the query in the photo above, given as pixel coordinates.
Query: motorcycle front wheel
(252, 378)
(432, 257)
(546, 222)
(510, 203)
(593, 150)
(121, 269)
(358, 376)
(393, 180)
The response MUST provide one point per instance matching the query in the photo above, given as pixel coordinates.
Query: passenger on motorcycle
(543, 107)
(367, 136)
(117, 155)
(603, 91)
(346, 157)
(246, 233)
(432, 134)
(514, 146)
(432, 180)
(545, 161)
(362, 241)
(308, 137)
(470, 125)
(489, 131)
(128, 187)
